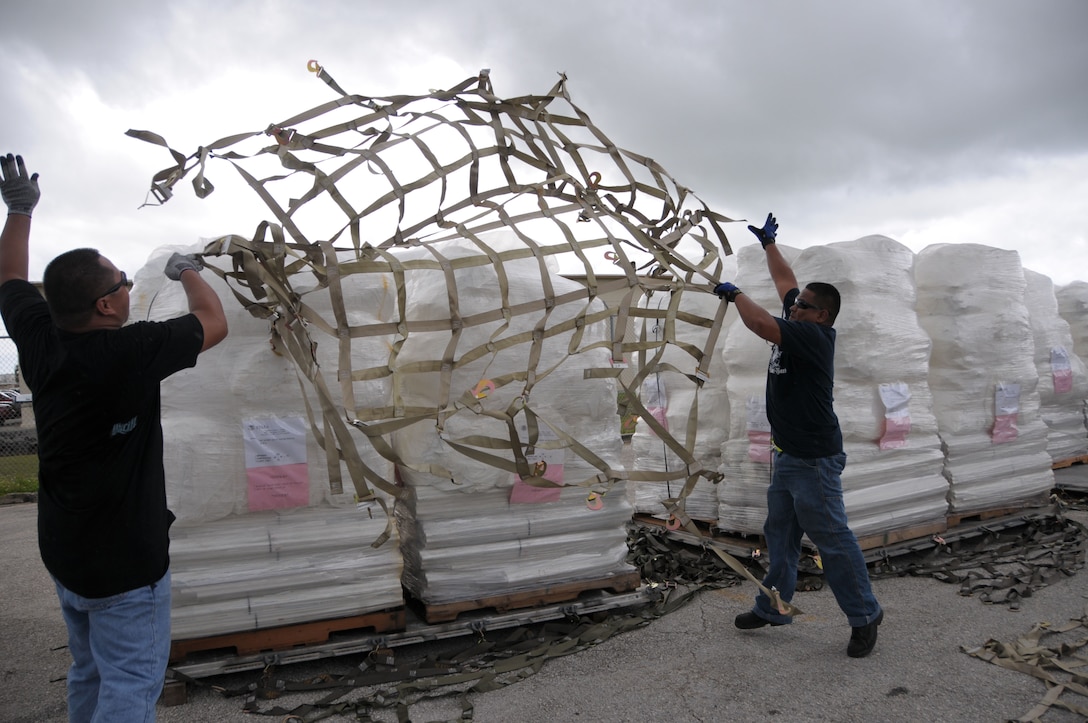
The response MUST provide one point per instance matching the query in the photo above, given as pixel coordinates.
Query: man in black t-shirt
(805, 495)
(103, 522)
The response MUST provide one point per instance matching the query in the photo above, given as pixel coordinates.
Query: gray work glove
(20, 191)
(179, 263)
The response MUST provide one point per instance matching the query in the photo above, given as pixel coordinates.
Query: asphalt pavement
(688, 665)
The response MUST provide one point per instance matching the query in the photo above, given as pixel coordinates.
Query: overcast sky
(925, 121)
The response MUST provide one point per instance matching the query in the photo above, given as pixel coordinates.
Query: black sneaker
(751, 621)
(863, 638)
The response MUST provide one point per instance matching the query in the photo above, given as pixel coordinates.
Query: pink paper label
(895, 433)
(1004, 428)
(274, 488)
(759, 446)
(522, 493)
(1063, 380)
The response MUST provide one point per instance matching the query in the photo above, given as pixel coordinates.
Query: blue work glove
(727, 291)
(767, 233)
(20, 191)
(179, 263)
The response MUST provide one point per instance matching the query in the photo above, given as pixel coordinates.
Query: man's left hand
(727, 291)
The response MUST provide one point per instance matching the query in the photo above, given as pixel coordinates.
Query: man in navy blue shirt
(103, 523)
(805, 495)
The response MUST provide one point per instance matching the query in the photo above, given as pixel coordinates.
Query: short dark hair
(73, 282)
(827, 298)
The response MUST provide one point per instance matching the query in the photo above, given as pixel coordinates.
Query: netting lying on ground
(369, 195)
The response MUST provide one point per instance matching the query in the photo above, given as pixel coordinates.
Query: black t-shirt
(102, 517)
(800, 382)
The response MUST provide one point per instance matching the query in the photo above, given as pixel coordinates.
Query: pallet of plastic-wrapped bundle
(892, 480)
(1063, 377)
(746, 448)
(262, 539)
(983, 376)
(409, 275)
(1073, 307)
(694, 414)
(479, 532)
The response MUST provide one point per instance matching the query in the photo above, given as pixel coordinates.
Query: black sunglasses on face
(125, 281)
(802, 304)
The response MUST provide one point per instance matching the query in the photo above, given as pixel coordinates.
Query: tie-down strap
(362, 191)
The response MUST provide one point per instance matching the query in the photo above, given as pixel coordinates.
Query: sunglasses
(125, 281)
(802, 304)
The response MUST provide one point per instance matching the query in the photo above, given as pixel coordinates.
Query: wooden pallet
(955, 520)
(286, 637)
(1063, 463)
(548, 595)
(904, 534)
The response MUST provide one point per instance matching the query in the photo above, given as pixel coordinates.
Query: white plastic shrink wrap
(893, 470)
(742, 493)
(504, 545)
(235, 567)
(675, 398)
(1063, 379)
(1073, 307)
(983, 376)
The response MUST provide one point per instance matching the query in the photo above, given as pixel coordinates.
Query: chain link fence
(18, 440)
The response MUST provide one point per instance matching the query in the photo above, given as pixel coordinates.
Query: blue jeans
(805, 497)
(120, 646)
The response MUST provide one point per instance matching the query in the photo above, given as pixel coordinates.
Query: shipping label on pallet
(276, 470)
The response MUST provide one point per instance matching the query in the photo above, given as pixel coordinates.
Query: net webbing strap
(528, 163)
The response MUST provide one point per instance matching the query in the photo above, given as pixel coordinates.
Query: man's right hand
(19, 190)
(768, 232)
(179, 263)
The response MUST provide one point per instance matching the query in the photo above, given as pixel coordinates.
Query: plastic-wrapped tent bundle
(982, 374)
(250, 487)
(242, 378)
(746, 449)
(471, 525)
(892, 478)
(274, 568)
(1063, 379)
(697, 416)
(1073, 307)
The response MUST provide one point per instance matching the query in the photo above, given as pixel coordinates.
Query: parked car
(10, 407)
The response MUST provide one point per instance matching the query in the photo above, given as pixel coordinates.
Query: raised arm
(20, 193)
(204, 303)
(781, 272)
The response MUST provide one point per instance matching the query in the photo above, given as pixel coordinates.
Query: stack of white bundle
(208, 488)
(1073, 307)
(466, 534)
(674, 399)
(982, 374)
(893, 472)
(742, 493)
(1063, 379)
(273, 568)
(465, 544)
(882, 396)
